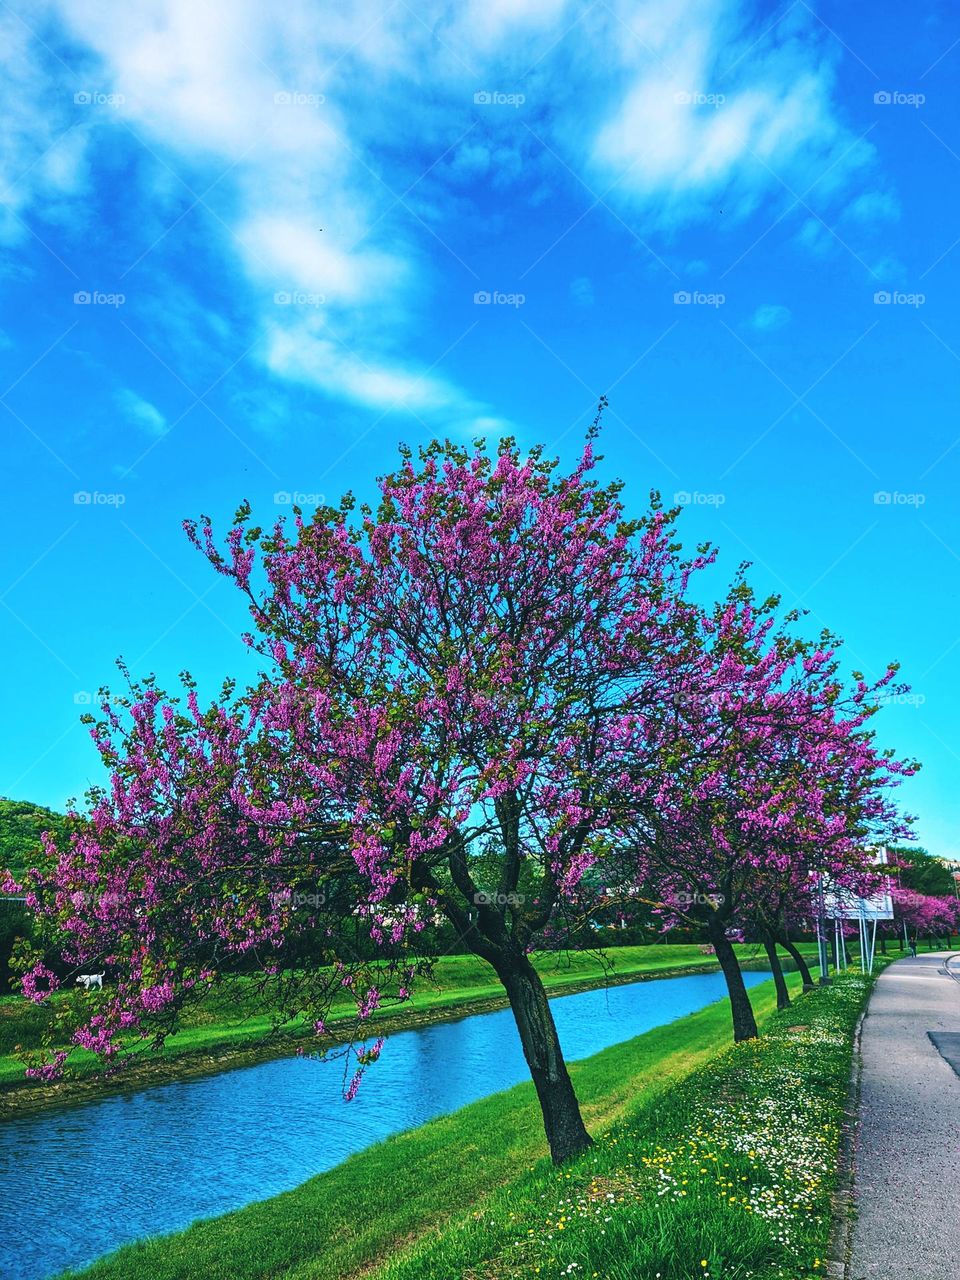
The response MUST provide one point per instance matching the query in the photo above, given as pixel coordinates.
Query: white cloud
(872, 207)
(815, 236)
(283, 121)
(140, 412)
(890, 270)
(770, 316)
(44, 138)
(304, 256)
(685, 129)
(242, 95)
(294, 352)
(484, 25)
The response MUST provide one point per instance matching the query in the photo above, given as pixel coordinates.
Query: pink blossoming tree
(485, 701)
(765, 776)
(452, 688)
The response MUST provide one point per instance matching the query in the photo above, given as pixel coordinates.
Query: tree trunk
(565, 1130)
(744, 1023)
(883, 945)
(802, 967)
(489, 939)
(783, 995)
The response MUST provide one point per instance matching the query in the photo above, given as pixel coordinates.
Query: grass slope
(445, 1200)
(729, 1176)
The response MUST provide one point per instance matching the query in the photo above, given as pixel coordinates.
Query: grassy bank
(731, 1175)
(232, 1028)
(697, 1146)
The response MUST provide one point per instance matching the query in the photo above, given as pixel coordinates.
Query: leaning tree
(454, 686)
(764, 777)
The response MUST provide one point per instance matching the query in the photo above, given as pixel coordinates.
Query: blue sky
(246, 252)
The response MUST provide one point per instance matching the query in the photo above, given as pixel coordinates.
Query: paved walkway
(907, 1181)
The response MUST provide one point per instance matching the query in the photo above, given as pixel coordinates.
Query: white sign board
(840, 905)
(843, 904)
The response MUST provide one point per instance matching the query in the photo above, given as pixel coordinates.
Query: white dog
(90, 980)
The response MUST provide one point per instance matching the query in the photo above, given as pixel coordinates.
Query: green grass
(448, 1200)
(230, 1018)
(729, 1175)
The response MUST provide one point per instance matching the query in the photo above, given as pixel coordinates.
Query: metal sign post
(842, 904)
(821, 936)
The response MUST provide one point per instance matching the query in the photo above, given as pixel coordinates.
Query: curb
(844, 1200)
(946, 966)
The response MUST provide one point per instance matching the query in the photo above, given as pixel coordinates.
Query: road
(907, 1175)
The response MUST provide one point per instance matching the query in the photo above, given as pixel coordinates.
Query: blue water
(78, 1182)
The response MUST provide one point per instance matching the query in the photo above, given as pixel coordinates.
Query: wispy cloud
(581, 291)
(770, 316)
(873, 207)
(696, 103)
(43, 151)
(325, 182)
(140, 413)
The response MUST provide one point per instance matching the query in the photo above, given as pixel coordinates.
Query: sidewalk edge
(844, 1199)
